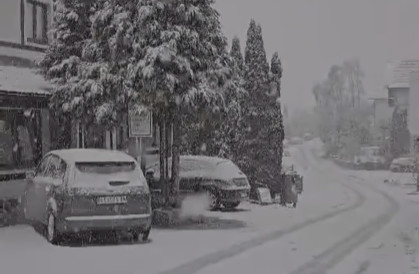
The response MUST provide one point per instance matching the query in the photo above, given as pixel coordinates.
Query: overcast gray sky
(312, 35)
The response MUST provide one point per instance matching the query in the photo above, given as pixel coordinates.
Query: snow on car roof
(92, 155)
(209, 159)
(23, 80)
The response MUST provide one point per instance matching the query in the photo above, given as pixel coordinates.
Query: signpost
(140, 126)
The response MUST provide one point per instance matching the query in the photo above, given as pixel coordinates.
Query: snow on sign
(264, 195)
(140, 124)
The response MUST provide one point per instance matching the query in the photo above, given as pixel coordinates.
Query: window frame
(55, 174)
(44, 11)
(38, 172)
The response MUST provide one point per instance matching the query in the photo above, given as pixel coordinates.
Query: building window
(20, 138)
(37, 15)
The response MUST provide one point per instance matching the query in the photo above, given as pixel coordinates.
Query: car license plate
(109, 200)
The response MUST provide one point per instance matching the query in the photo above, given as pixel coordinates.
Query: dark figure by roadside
(289, 194)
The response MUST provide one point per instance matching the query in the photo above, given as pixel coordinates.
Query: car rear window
(105, 167)
(108, 175)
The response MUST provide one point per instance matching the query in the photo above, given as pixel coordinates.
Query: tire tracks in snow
(335, 254)
(221, 255)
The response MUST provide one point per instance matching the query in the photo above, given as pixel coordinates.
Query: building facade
(25, 120)
(413, 111)
(24, 94)
(403, 90)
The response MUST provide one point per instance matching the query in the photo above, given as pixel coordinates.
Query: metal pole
(141, 150)
(136, 148)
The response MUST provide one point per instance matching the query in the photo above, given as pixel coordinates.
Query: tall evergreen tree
(276, 74)
(263, 145)
(257, 67)
(179, 67)
(399, 133)
(236, 53)
(61, 63)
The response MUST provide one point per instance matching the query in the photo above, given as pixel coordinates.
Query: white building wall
(10, 21)
(413, 110)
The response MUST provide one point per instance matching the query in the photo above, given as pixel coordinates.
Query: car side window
(56, 169)
(42, 166)
(62, 168)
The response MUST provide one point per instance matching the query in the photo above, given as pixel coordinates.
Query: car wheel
(52, 234)
(135, 235)
(146, 235)
(231, 205)
(213, 201)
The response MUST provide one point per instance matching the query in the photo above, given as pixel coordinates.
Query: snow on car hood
(404, 161)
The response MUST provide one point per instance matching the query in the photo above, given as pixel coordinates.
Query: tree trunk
(163, 181)
(166, 158)
(175, 157)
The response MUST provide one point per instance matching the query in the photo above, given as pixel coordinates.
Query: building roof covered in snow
(399, 75)
(23, 80)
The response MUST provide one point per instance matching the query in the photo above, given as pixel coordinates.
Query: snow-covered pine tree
(71, 29)
(236, 53)
(276, 74)
(179, 69)
(257, 67)
(276, 131)
(258, 88)
(230, 130)
(88, 60)
(102, 91)
(399, 133)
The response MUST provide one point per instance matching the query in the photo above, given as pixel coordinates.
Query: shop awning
(23, 81)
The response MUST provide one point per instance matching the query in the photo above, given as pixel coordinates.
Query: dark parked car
(88, 190)
(150, 155)
(403, 164)
(224, 183)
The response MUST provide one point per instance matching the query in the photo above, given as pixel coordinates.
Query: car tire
(231, 205)
(135, 235)
(145, 235)
(52, 235)
(213, 200)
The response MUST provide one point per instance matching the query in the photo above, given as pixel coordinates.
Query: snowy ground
(345, 222)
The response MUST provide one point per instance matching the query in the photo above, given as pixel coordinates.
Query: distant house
(24, 115)
(382, 111)
(399, 84)
(413, 111)
(403, 91)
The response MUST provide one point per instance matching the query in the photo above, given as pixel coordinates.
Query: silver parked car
(88, 190)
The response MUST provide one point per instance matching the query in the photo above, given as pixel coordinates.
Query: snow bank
(194, 205)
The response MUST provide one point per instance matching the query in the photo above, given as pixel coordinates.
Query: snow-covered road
(345, 222)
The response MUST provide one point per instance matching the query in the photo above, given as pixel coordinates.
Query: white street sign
(140, 124)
